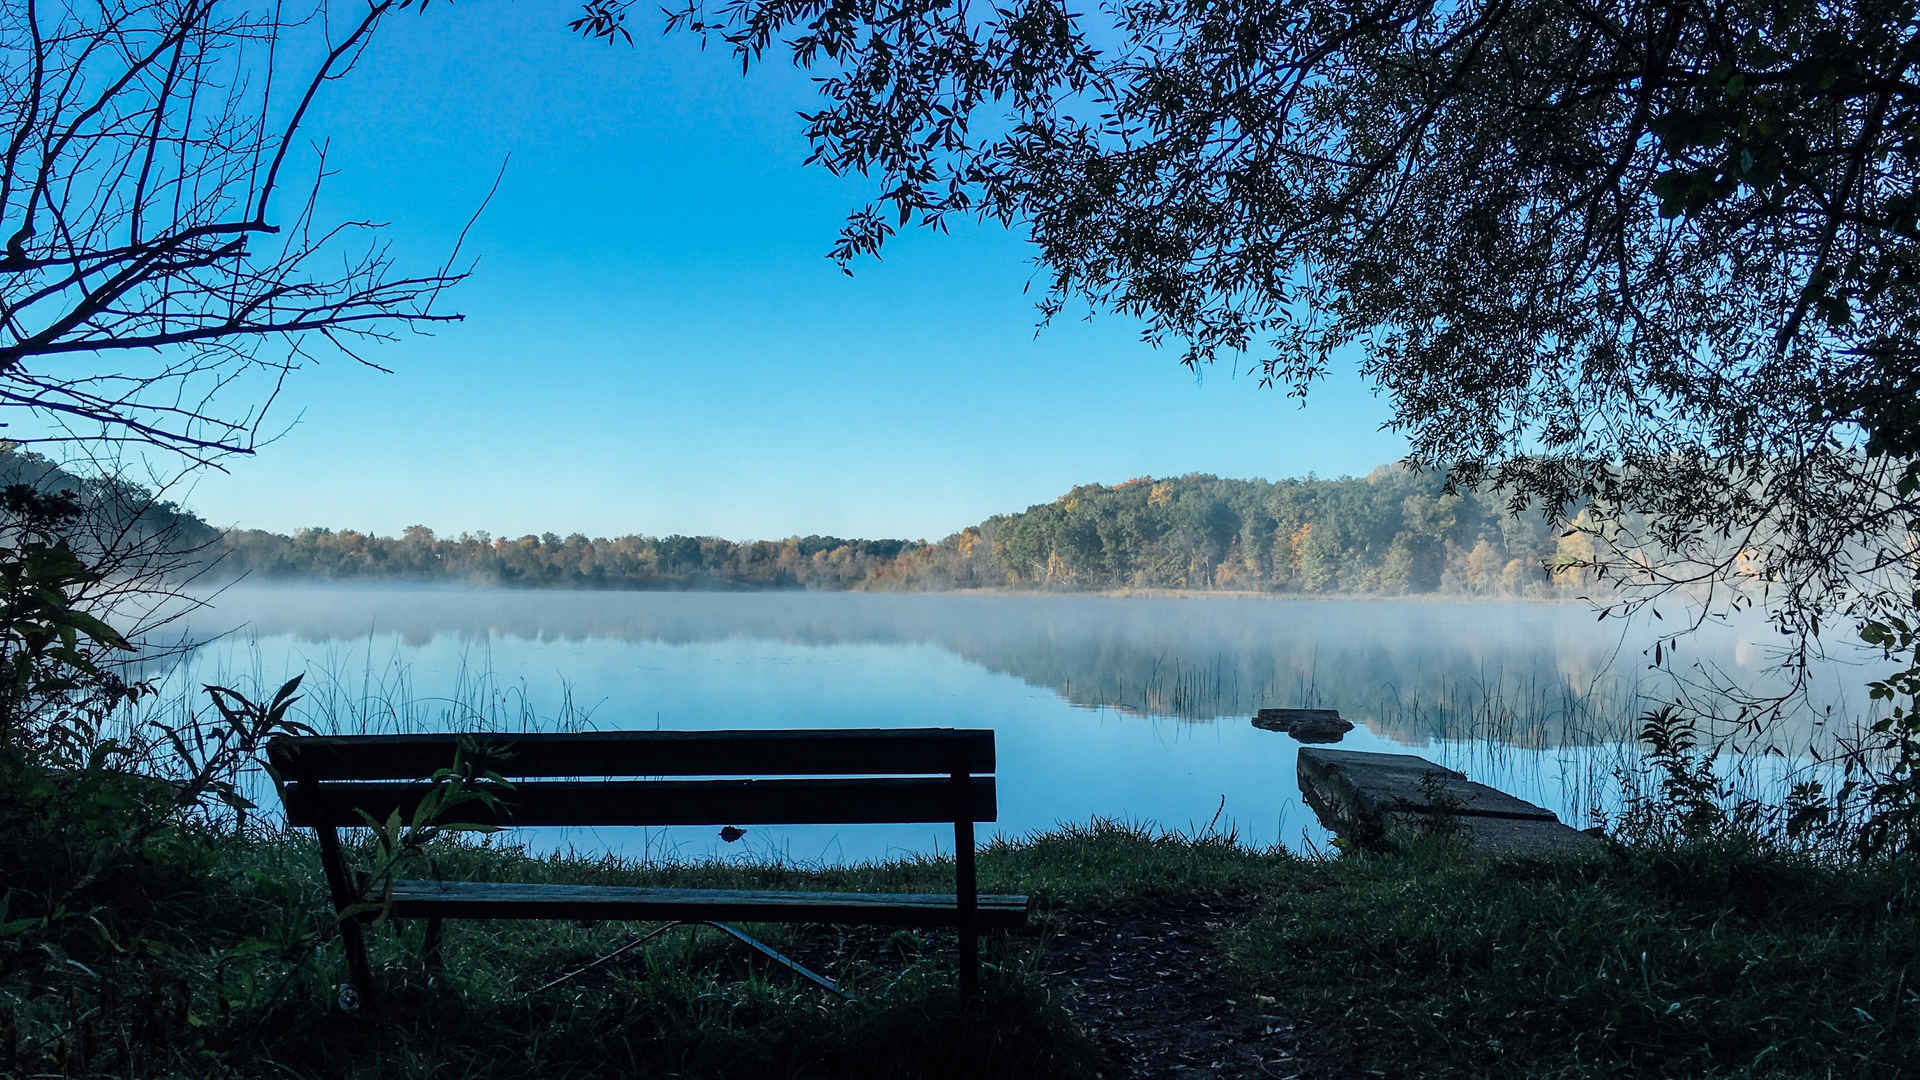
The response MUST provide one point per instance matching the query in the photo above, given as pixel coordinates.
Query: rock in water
(1305, 725)
(1320, 729)
(1284, 719)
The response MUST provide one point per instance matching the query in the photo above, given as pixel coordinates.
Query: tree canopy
(1390, 533)
(1657, 261)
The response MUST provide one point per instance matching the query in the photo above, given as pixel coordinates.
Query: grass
(1702, 960)
(1712, 959)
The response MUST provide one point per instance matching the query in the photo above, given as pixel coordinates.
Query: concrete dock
(1364, 798)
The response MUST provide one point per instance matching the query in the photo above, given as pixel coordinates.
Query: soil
(1148, 988)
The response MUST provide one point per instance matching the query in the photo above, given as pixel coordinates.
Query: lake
(1130, 708)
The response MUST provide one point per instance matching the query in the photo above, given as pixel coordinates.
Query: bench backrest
(608, 778)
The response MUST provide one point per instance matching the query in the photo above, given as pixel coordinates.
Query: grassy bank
(212, 958)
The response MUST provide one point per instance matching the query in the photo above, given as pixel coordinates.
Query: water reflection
(1535, 675)
(1131, 708)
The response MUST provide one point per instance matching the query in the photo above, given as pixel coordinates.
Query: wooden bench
(932, 775)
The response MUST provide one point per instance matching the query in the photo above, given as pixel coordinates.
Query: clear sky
(655, 342)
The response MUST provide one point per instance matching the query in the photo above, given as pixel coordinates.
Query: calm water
(1128, 708)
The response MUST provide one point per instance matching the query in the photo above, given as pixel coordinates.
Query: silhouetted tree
(163, 266)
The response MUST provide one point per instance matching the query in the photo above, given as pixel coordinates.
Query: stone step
(1362, 797)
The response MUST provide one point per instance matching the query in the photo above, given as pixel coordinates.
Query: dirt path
(1149, 989)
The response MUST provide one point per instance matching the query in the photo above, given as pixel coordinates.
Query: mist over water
(1133, 708)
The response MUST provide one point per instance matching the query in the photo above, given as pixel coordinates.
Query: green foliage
(1659, 961)
(111, 827)
(1887, 765)
(110, 865)
(1688, 800)
(397, 841)
(1677, 796)
(552, 561)
(142, 923)
(55, 685)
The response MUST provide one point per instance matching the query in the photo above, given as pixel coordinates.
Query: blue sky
(655, 342)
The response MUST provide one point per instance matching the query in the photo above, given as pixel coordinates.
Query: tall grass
(356, 692)
(342, 692)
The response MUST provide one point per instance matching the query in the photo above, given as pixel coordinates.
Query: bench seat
(510, 900)
(831, 776)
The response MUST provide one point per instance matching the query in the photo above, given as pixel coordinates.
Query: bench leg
(352, 934)
(353, 937)
(969, 963)
(967, 892)
(430, 950)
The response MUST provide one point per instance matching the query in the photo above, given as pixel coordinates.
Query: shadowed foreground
(1148, 954)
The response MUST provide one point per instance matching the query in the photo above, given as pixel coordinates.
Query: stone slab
(1284, 719)
(1304, 725)
(1504, 836)
(1361, 796)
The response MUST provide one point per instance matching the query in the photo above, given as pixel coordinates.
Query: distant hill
(145, 532)
(1391, 532)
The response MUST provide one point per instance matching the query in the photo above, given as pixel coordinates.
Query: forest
(1392, 532)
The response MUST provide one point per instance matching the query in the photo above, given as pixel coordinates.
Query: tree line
(1391, 532)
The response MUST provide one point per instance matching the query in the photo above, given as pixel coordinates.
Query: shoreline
(720, 589)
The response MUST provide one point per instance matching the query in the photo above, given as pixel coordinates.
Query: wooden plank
(507, 900)
(819, 752)
(666, 802)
